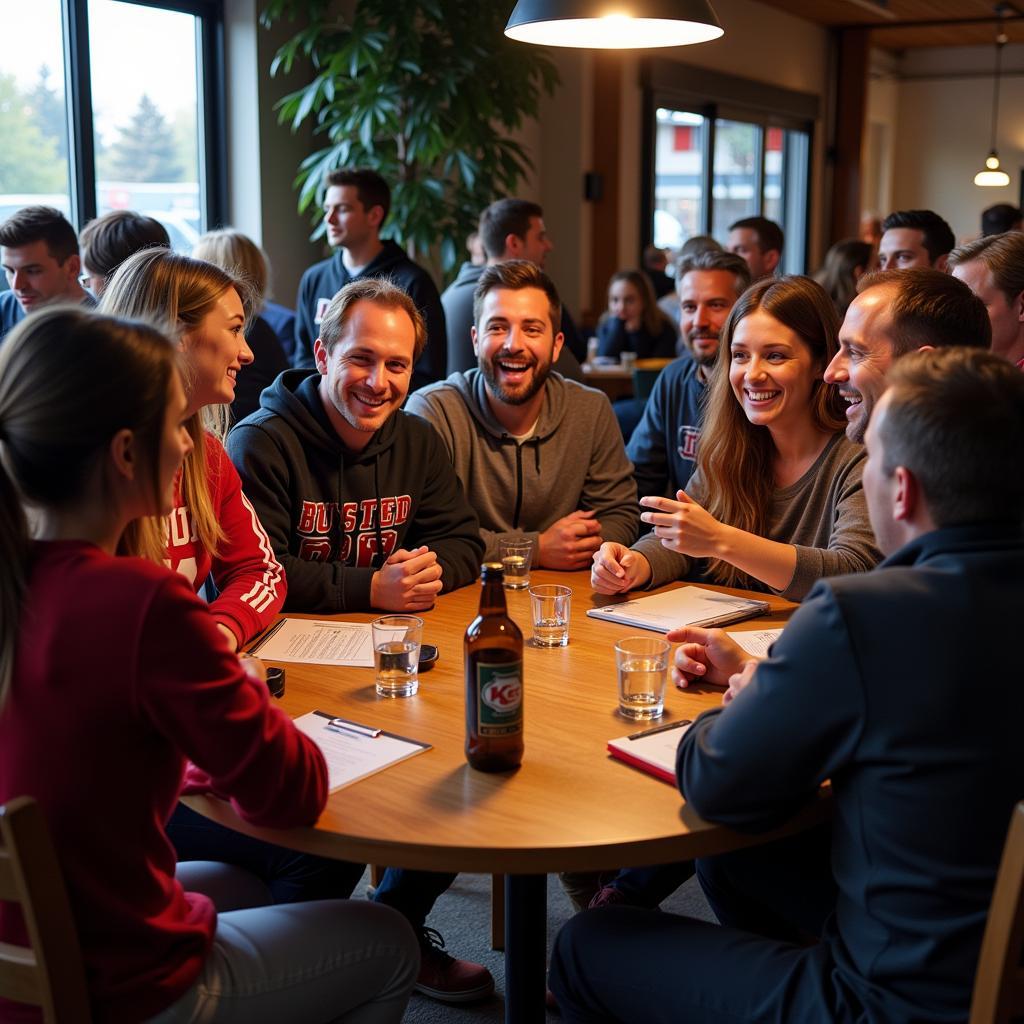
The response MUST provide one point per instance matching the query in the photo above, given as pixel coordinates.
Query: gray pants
(307, 963)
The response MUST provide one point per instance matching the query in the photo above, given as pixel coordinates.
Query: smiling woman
(776, 501)
(212, 532)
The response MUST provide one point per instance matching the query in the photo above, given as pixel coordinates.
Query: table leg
(525, 948)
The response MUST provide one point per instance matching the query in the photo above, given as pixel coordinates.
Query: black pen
(660, 728)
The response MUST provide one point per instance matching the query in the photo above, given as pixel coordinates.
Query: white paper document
(317, 642)
(352, 755)
(685, 606)
(755, 641)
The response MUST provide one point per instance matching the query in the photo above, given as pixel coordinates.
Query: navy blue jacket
(323, 280)
(902, 686)
(663, 448)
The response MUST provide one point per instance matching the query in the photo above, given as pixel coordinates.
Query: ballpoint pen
(660, 728)
(342, 725)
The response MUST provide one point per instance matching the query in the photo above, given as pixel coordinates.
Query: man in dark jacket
(355, 207)
(360, 500)
(900, 686)
(364, 510)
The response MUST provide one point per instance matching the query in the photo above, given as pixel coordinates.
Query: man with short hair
(510, 229)
(39, 253)
(914, 238)
(896, 312)
(663, 448)
(993, 268)
(540, 457)
(356, 204)
(363, 510)
(924, 773)
(111, 238)
(999, 218)
(759, 241)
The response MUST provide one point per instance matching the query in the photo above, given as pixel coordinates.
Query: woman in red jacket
(212, 531)
(113, 675)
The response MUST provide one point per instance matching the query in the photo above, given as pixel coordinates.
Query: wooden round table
(570, 806)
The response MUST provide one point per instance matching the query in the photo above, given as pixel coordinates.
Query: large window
(713, 161)
(111, 104)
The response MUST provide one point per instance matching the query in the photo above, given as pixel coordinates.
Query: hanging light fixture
(993, 176)
(613, 24)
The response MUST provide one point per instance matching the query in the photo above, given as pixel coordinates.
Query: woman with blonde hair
(776, 501)
(113, 676)
(212, 531)
(241, 257)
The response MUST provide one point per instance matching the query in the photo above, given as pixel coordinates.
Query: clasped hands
(711, 656)
(408, 581)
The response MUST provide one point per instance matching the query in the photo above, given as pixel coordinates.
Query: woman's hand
(684, 526)
(617, 569)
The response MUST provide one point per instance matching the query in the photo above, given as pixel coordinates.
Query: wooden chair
(999, 983)
(49, 973)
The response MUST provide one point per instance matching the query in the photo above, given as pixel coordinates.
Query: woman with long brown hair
(776, 500)
(633, 321)
(212, 531)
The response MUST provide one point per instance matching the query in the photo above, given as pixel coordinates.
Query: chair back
(999, 982)
(48, 973)
(643, 383)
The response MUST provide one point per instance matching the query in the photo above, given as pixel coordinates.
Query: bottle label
(499, 688)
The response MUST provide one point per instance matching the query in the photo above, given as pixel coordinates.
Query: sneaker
(446, 979)
(607, 896)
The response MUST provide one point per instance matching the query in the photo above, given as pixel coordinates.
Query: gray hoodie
(574, 459)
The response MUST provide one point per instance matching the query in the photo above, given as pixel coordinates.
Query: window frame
(211, 94)
(715, 95)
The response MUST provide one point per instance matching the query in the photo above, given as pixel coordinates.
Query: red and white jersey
(250, 580)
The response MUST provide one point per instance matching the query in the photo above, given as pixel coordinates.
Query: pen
(660, 728)
(341, 725)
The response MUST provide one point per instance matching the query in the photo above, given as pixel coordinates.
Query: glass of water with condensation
(643, 668)
(516, 555)
(396, 654)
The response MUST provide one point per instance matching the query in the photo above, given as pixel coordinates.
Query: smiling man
(540, 457)
(896, 312)
(359, 499)
(356, 205)
(39, 253)
(663, 448)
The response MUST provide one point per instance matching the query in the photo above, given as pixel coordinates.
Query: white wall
(944, 132)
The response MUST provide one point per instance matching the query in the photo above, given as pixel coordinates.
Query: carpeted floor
(462, 916)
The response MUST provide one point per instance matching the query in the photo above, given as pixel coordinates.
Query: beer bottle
(494, 681)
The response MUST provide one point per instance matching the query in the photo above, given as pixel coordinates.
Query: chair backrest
(999, 983)
(49, 973)
(643, 383)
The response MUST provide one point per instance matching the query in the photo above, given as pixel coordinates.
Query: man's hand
(570, 542)
(254, 668)
(617, 569)
(706, 655)
(409, 581)
(684, 526)
(739, 681)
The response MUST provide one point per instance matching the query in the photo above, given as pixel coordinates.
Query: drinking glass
(516, 556)
(550, 606)
(396, 654)
(642, 663)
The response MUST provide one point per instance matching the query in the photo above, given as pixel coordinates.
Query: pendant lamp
(993, 176)
(613, 24)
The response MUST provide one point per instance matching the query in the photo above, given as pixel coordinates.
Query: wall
(944, 126)
(881, 128)
(759, 43)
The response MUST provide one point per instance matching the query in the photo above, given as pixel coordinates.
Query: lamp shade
(613, 24)
(993, 176)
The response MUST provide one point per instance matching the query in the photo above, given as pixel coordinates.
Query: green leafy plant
(426, 92)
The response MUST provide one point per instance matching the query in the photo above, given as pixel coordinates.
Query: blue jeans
(306, 963)
(297, 877)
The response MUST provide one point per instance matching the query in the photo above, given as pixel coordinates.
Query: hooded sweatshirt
(322, 281)
(334, 515)
(573, 460)
(457, 300)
